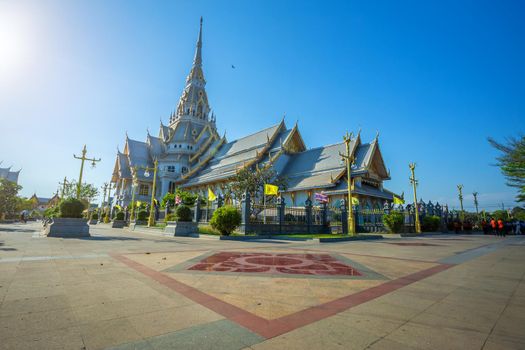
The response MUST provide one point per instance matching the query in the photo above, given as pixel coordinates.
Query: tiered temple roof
(6, 173)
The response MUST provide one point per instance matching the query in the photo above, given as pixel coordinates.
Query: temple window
(184, 170)
(144, 190)
(171, 168)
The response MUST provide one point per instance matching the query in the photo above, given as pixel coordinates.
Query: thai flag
(321, 198)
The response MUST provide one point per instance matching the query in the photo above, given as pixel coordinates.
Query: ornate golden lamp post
(475, 194)
(151, 219)
(132, 215)
(460, 196)
(414, 183)
(84, 158)
(107, 189)
(349, 159)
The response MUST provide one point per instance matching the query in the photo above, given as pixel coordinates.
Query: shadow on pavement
(9, 229)
(109, 238)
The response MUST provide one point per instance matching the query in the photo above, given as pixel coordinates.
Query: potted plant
(179, 223)
(118, 222)
(69, 223)
(94, 218)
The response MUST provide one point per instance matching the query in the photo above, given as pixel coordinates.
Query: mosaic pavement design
(262, 293)
(276, 263)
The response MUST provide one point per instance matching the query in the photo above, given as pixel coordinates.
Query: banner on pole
(321, 198)
(271, 190)
(398, 200)
(211, 195)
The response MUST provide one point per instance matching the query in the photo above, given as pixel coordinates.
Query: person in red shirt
(501, 227)
(493, 225)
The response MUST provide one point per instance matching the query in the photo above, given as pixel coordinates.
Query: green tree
(24, 204)
(8, 198)
(87, 191)
(512, 163)
(252, 181)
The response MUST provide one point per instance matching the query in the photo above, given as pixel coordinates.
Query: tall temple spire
(197, 60)
(196, 70)
(194, 100)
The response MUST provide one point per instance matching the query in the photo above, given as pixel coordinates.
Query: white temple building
(193, 156)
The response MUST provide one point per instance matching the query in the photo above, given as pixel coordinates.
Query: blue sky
(435, 78)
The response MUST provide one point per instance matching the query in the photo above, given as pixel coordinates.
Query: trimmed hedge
(394, 221)
(431, 223)
(226, 219)
(119, 215)
(183, 213)
(71, 208)
(142, 215)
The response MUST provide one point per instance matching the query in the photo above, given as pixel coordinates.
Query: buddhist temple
(192, 155)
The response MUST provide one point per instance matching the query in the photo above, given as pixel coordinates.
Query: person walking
(493, 224)
(501, 227)
(517, 227)
(484, 226)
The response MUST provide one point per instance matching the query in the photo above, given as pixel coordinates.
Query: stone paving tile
(434, 337)
(496, 342)
(387, 344)
(103, 334)
(331, 333)
(172, 319)
(65, 338)
(38, 304)
(35, 322)
(224, 335)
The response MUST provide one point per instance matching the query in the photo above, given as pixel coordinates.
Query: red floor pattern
(274, 263)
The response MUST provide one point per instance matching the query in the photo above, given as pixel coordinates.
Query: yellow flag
(211, 195)
(355, 201)
(270, 190)
(398, 200)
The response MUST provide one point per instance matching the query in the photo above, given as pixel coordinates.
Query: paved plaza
(129, 290)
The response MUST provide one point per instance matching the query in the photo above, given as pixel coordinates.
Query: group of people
(501, 228)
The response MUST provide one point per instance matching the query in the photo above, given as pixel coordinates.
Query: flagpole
(264, 209)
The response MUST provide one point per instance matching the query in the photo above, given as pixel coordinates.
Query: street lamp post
(132, 216)
(84, 158)
(108, 208)
(349, 159)
(151, 219)
(460, 196)
(414, 183)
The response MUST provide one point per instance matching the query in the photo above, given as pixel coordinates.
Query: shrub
(52, 212)
(394, 221)
(119, 216)
(183, 213)
(171, 217)
(226, 219)
(142, 215)
(431, 223)
(94, 216)
(71, 208)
